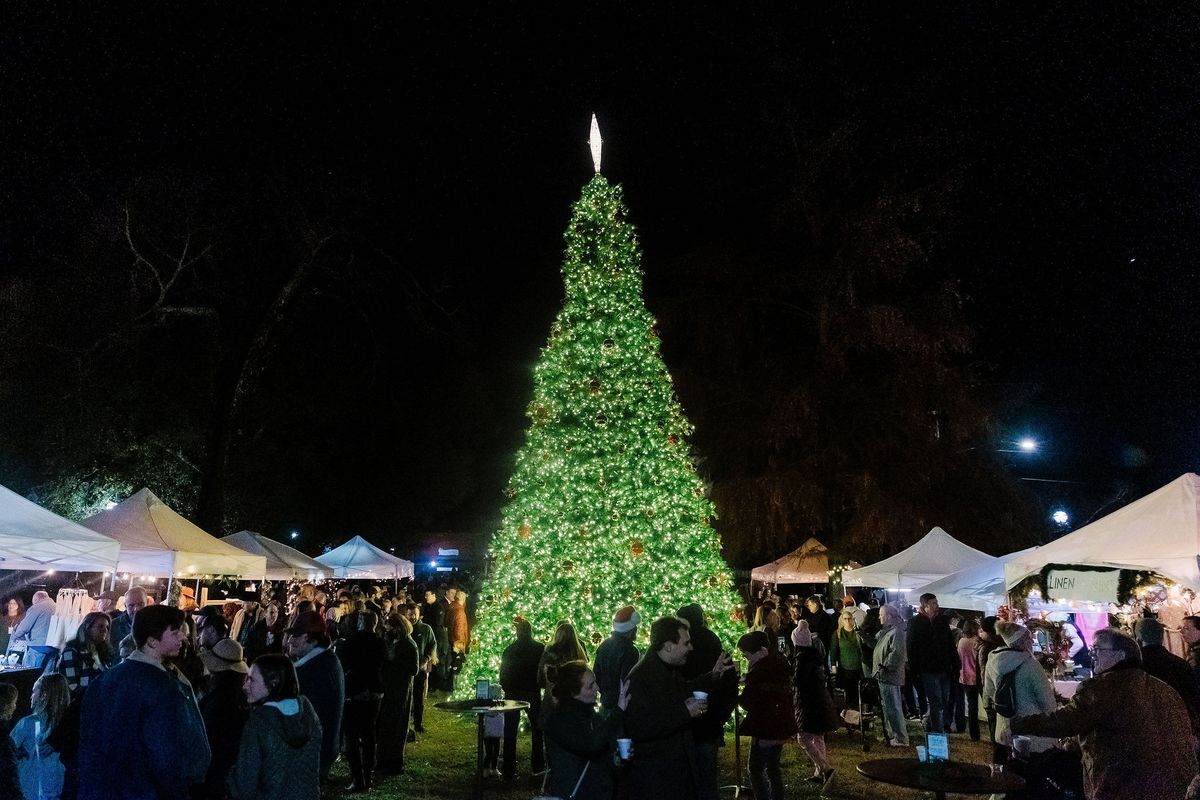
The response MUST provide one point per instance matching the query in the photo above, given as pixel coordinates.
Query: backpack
(1005, 701)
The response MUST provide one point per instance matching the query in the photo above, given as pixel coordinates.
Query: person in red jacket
(770, 718)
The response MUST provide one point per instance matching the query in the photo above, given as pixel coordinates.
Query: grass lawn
(442, 765)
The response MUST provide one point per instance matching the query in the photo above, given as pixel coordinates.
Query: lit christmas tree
(604, 508)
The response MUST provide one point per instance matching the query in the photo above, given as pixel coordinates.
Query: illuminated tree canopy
(604, 507)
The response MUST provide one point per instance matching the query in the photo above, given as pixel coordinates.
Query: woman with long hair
(39, 767)
(845, 652)
(14, 612)
(579, 740)
(968, 674)
(563, 649)
(88, 654)
(279, 757)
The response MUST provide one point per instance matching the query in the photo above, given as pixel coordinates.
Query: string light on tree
(604, 507)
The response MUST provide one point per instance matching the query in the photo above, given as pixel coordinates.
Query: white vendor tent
(155, 540)
(935, 556)
(1158, 533)
(977, 588)
(358, 558)
(33, 538)
(808, 563)
(283, 563)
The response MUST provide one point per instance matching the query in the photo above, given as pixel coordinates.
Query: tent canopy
(1160, 533)
(155, 540)
(283, 563)
(808, 563)
(978, 588)
(33, 538)
(358, 558)
(935, 556)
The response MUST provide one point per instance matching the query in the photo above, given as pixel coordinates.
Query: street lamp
(295, 535)
(1028, 444)
(1060, 517)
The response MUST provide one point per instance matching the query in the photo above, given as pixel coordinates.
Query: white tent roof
(358, 558)
(935, 556)
(1160, 532)
(157, 541)
(808, 563)
(33, 538)
(283, 563)
(977, 588)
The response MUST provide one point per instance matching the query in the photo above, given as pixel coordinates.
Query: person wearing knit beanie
(616, 656)
(1015, 636)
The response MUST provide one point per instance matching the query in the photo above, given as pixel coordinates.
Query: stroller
(866, 716)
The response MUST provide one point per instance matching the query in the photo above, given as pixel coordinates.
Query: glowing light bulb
(595, 143)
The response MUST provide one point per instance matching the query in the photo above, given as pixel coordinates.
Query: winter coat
(223, 708)
(845, 650)
(394, 714)
(820, 623)
(363, 654)
(931, 646)
(322, 683)
(519, 666)
(121, 627)
(709, 727)
(1133, 731)
(614, 659)
(39, 768)
(657, 718)
(889, 656)
(425, 640)
(458, 632)
(767, 698)
(280, 754)
(578, 736)
(10, 785)
(814, 707)
(968, 661)
(162, 749)
(1175, 672)
(1035, 693)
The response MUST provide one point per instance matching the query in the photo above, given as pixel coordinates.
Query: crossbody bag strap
(579, 782)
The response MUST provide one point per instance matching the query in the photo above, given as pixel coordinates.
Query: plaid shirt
(79, 668)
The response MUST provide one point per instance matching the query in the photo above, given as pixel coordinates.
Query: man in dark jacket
(708, 730)
(518, 677)
(819, 622)
(1168, 668)
(363, 654)
(434, 613)
(933, 660)
(660, 714)
(160, 751)
(426, 642)
(616, 656)
(122, 624)
(321, 680)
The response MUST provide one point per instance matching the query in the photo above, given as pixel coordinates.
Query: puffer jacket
(889, 656)
(1035, 693)
(767, 698)
(280, 754)
(1133, 730)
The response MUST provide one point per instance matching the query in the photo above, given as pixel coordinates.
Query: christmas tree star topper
(596, 143)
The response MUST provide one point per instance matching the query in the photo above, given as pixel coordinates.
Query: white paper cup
(700, 695)
(624, 747)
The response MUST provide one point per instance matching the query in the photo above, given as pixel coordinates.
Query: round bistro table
(941, 777)
(480, 708)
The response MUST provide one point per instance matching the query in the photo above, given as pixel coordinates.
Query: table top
(481, 706)
(956, 777)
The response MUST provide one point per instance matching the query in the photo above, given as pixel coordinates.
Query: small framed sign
(483, 690)
(938, 746)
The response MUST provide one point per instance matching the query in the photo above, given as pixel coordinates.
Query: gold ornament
(594, 386)
(636, 547)
(672, 439)
(541, 413)
(525, 530)
(568, 566)
(597, 637)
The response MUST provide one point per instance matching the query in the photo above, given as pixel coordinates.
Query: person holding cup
(579, 740)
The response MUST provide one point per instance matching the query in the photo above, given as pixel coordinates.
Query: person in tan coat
(1133, 729)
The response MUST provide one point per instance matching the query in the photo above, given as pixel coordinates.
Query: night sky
(444, 147)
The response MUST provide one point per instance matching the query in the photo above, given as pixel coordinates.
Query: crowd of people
(252, 700)
(231, 701)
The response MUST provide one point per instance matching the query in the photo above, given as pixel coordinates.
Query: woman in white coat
(1033, 691)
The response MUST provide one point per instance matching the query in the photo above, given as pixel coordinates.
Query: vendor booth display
(1158, 534)
(808, 563)
(358, 558)
(283, 563)
(33, 538)
(155, 540)
(935, 556)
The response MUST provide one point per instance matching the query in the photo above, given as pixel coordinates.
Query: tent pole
(170, 582)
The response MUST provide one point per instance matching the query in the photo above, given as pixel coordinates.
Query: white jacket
(1035, 693)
